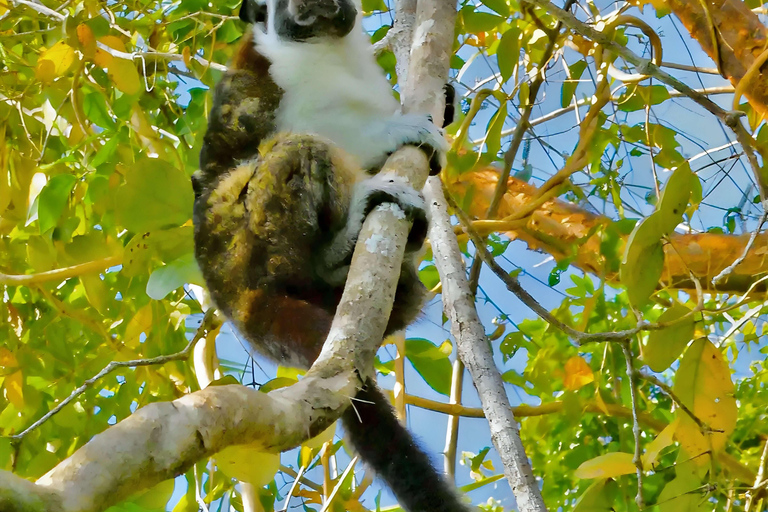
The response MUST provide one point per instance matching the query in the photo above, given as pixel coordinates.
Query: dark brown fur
(262, 218)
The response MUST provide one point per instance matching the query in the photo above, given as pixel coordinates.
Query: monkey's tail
(387, 447)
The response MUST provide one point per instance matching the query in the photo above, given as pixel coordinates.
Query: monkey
(300, 125)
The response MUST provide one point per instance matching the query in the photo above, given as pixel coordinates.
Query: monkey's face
(301, 20)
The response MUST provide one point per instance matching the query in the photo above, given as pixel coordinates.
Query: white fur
(334, 88)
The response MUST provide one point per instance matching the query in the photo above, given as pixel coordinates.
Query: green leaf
(664, 346)
(682, 495)
(674, 198)
(477, 22)
(643, 261)
(508, 52)
(599, 497)
(569, 86)
(431, 363)
(639, 96)
(495, 125)
(370, 6)
(155, 195)
(429, 276)
(174, 275)
(95, 110)
(607, 466)
(53, 199)
(500, 6)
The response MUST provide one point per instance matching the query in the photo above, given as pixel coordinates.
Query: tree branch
(60, 274)
(475, 351)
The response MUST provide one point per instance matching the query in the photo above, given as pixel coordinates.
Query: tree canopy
(608, 186)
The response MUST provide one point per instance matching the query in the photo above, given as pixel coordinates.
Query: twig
(383, 44)
(760, 483)
(730, 268)
(59, 274)
(686, 67)
(645, 67)
(637, 457)
(703, 427)
(452, 430)
(293, 487)
(399, 340)
(741, 471)
(298, 476)
(41, 9)
(206, 325)
(339, 485)
(738, 324)
(161, 55)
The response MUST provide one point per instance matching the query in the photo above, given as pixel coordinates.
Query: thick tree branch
(564, 230)
(739, 40)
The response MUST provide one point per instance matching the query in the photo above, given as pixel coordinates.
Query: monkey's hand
(417, 130)
(367, 195)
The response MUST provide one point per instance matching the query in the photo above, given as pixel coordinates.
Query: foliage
(102, 110)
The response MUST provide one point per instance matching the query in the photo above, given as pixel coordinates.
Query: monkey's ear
(252, 11)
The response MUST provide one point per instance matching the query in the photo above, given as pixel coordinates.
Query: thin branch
(686, 67)
(299, 476)
(703, 427)
(171, 57)
(452, 430)
(399, 341)
(209, 323)
(741, 471)
(637, 457)
(60, 274)
(730, 268)
(760, 481)
(41, 9)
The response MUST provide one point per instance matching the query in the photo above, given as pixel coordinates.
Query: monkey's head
(301, 20)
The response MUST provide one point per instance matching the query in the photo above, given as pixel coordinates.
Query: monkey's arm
(243, 113)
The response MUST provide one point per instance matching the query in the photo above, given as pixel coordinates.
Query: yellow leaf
(7, 359)
(113, 42)
(124, 75)
(664, 346)
(655, 447)
(577, 373)
(601, 403)
(248, 463)
(4, 7)
(12, 389)
(140, 323)
(607, 466)
(185, 54)
(55, 61)
(321, 438)
(141, 124)
(103, 58)
(703, 384)
(87, 40)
